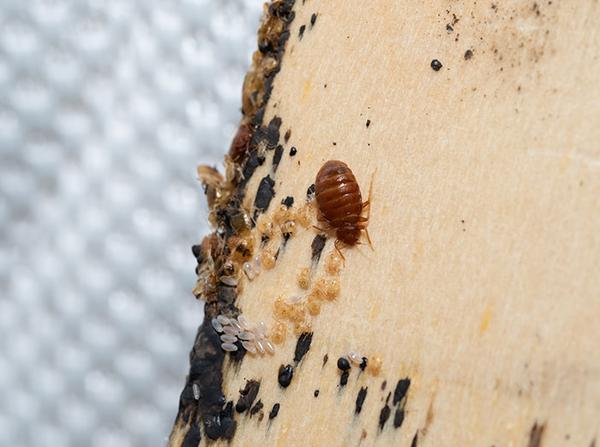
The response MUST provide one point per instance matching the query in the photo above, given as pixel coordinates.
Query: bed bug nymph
(340, 203)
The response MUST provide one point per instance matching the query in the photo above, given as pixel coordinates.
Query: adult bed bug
(340, 202)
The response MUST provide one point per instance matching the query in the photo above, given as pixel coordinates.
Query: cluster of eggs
(252, 337)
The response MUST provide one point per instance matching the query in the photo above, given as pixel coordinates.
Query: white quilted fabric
(106, 107)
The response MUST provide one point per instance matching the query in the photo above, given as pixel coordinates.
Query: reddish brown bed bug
(340, 203)
(241, 142)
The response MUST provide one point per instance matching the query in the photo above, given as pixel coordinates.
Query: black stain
(285, 375)
(401, 390)
(256, 408)
(536, 435)
(384, 415)
(398, 417)
(301, 31)
(313, 19)
(274, 411)
(317, 246)
(368, 123)
(415, 439)
(360, 399)
(316, 393)
(293, 151)
(277, 156)
(288, 202)
(344, 378)
(310, 192)
(436, 65)
(302, 346)
(192, 437)
(247, 396)
(265, 193)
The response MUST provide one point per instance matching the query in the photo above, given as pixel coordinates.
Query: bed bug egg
(355, 358)
(269, 348)
(259, 346)
(294, 299)
(249, 346)
(229, 281)
(196, 391)
(230, 330)
(229, 347)
(244, 323)
(233, 322)
(249, 270)
(217, 326)
(304, 278)
(261, 330)
(223, 320)
(228, 338)
(246, 336)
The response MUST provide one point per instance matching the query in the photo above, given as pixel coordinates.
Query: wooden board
(483, 285)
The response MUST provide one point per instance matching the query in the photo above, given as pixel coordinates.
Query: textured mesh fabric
(106, 107)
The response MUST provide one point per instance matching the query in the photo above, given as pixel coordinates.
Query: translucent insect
(340, 203)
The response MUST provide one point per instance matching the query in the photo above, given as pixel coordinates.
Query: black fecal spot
(254, 161)
(301, 31)
(288, 202)
(256, 408)
(293, 151)
(383, 385)
(368, 123)
(247, 396)
(343, 364)
(197, 251)
(363, 363)
(344, 378)
(264, 46)
(277, 156)
(468, 54)
(325, 358)
(302, 346)
(415, 439)
(398, 417)
(221, 425)
(313, 19)
(310, 192)
(264, 195)
(192, 437)
(316, 393)
(401, 389)
(287, 135)
(436, 65)
(286, 238)
(269, 135)
(317, 246)
(384, 415)
(285, 375)
(449, 28)
(274, 411)
(360, 399)
(536, 434)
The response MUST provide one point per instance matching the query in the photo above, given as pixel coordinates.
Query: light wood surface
(483, 285)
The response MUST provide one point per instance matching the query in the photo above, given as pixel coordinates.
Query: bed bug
(340, 203)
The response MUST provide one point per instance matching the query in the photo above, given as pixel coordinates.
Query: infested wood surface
(482, 286)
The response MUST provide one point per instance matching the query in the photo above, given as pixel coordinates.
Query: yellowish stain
(306, 89)
(485, 320)
(374, 312)
(283, 435)
(565, 162)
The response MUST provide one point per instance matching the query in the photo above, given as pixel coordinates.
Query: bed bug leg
(338, 245)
